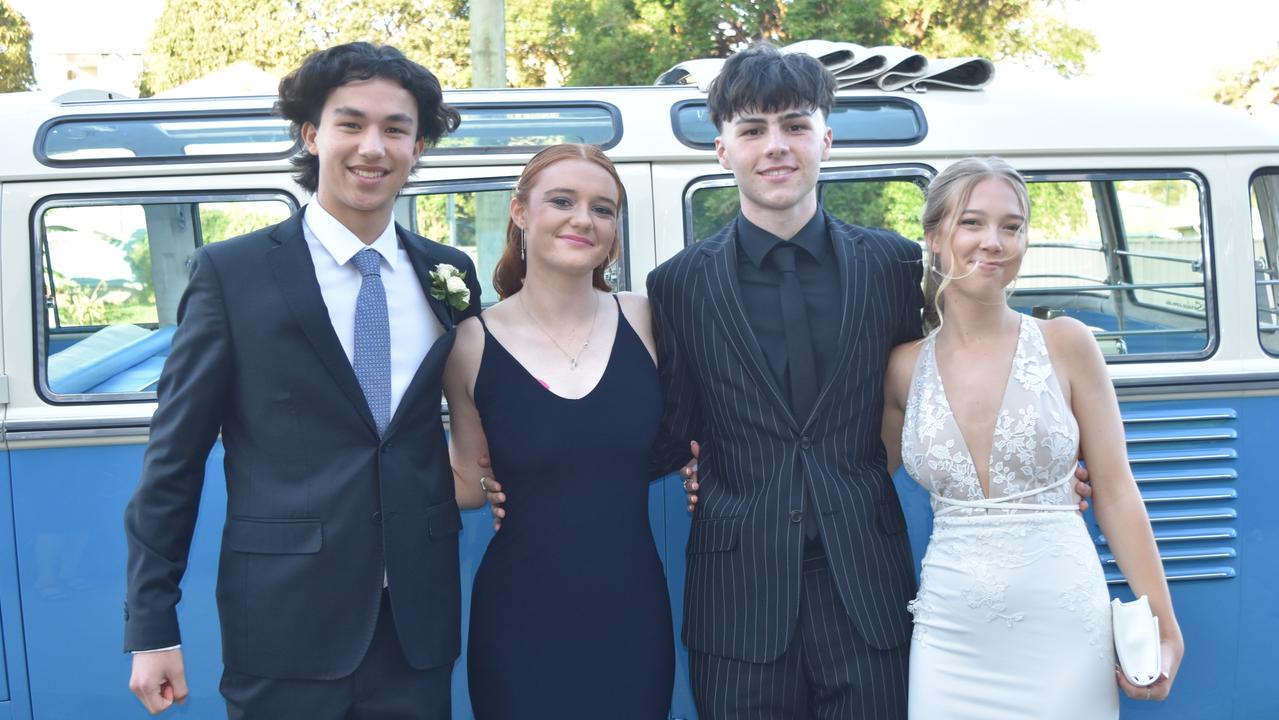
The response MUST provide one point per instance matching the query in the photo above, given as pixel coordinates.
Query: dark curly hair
(762, 78)
(304, 91)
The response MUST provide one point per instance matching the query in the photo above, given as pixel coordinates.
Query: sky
(1167, 47)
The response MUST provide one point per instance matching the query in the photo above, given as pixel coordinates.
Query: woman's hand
(690, 476)
(492, 492)
(1170, 654)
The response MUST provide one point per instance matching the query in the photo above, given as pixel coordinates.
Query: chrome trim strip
(1142, 417)
(1222, 574)
(1226, 475)
(1163, 516)
(1207, 455)
(1189, 498)
(1146, 439)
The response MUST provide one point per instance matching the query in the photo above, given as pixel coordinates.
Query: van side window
(1125, 255)
(1265, 237)
(859, 196)
(112, 273)
(473, 217)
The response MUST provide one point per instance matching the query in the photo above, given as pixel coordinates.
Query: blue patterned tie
(373, 338)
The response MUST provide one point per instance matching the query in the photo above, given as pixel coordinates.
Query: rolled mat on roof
(886, 67)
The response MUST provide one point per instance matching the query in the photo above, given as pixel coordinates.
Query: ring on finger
(1149, 692)
(484, 483)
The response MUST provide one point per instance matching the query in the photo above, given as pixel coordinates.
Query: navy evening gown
(569, 612)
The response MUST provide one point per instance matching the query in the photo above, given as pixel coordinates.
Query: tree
(1252, 87)
(16, 70)
(609, 42)
(195, 37)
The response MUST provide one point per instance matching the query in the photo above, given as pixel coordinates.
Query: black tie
(801, 369)
(800, 366)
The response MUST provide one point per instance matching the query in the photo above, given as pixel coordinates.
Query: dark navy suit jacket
(318, 505)
(741, 597)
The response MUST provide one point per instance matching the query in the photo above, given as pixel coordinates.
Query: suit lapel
(290, 263)
(850, 247)
(724, 298)
(424, 261)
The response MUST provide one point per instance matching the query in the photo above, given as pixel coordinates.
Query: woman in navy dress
(557, 383)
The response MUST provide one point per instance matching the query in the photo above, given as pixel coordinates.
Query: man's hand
(493, 491)
(689, 472)
(1082, 488)
(159, 680)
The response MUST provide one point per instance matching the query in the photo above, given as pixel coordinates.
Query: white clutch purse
(1136, 631)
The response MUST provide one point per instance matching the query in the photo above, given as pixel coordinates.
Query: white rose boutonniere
(449, 285)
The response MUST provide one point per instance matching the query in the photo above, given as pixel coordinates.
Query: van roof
(1000, 121)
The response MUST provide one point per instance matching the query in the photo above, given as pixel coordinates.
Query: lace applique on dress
(1036, 438)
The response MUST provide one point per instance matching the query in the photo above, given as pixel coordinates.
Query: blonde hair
(946, 195)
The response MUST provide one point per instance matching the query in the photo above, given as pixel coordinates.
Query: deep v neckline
(982, 489)
(608, 363)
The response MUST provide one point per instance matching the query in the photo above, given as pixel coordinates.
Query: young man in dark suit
(315, 348)
(772, 340)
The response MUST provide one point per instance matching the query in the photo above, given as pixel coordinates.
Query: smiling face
(776, 158)
(366, 146)
(987, 240)
(569, 217)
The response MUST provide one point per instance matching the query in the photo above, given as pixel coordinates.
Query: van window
(175, 137)
(472, 217)
(1265, 237)
(112, 273)
(855, 122)
(882, 197)
(526, 127)
(1126, 255)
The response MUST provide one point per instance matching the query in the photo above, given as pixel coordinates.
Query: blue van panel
(8, 598)
(1204, 466)
(69, 510)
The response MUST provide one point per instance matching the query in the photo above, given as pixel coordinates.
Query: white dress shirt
(414, 328)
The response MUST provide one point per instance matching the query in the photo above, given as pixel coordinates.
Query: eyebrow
(571, 191)
(355, 113)
(788, 116)
(973, 211)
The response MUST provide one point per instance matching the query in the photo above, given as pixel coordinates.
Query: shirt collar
(757, 242)
(341, 243)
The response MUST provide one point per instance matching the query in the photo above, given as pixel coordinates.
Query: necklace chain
(572, 359)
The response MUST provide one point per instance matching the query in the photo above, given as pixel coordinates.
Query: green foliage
(16, 70)
(1058, 210)
(593, 42)
(996, 29)
(1237, 88)
(227, 220)
(895, 205)
(192, 38)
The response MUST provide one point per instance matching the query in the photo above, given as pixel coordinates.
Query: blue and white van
(1156, 224)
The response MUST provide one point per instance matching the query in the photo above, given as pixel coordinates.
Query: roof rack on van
(886, 67)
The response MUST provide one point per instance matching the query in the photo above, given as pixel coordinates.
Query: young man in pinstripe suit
(772, 339)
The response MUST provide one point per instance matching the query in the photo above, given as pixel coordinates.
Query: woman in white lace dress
(989, 413)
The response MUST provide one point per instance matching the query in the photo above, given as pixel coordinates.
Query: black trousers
(828, 672)
(383, 687)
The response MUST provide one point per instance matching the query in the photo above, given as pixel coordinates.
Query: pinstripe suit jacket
(741, 596)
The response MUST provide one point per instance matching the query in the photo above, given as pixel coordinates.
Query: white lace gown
(1012, 617)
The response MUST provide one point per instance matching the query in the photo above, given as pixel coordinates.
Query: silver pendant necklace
(572, 359)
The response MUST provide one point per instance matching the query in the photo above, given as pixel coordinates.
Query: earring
(523, 242)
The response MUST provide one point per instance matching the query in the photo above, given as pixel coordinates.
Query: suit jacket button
(805, 443)
(377, 518)
(796, 516)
